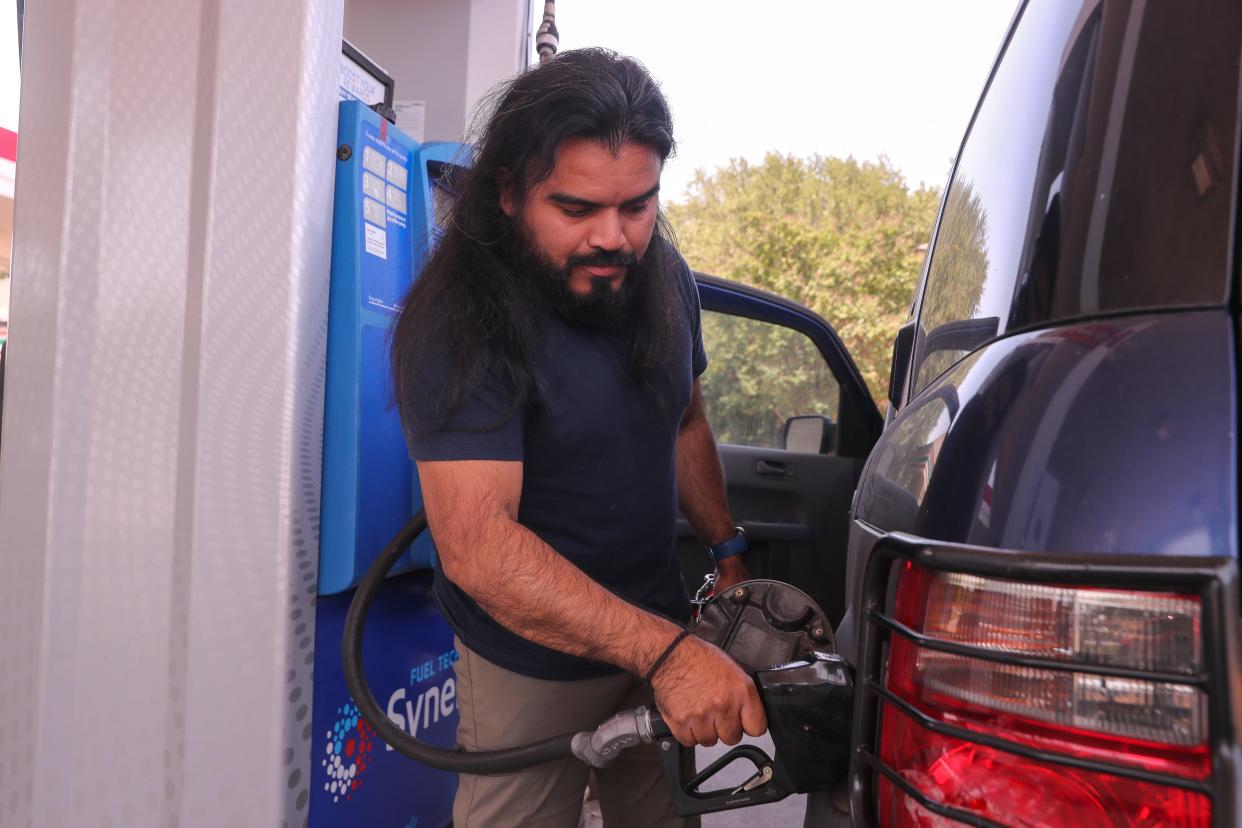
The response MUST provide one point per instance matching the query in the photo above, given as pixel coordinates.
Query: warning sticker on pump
(377, 240)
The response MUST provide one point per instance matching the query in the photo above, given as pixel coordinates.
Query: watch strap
(735, 545)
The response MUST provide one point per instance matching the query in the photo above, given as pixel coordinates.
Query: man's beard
(605, 307)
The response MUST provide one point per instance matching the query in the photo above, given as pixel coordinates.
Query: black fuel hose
(454, 759)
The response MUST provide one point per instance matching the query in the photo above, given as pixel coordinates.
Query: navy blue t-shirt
(599, 480)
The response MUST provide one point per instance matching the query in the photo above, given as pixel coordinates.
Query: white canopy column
(159, 480)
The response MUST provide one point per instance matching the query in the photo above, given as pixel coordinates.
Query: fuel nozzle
(810, 708)
(599, 747)
(808, 697)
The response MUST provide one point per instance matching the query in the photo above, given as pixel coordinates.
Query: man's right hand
(704, 696)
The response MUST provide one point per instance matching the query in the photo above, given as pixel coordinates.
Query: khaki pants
(501, 709)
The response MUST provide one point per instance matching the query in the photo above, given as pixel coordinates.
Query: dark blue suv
(1042, 567)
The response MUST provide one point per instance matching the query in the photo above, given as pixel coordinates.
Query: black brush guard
(1213, 580)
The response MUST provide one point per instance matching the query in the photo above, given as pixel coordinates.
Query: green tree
(761, 375)
(840, 236)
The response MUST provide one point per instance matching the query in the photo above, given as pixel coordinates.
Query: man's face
(593, 217)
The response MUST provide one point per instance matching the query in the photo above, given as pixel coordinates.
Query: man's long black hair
(475, 311)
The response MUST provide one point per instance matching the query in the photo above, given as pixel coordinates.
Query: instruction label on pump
(395, 199)
(385, 243)
(377, 240)
(373, 211)
(373, 161)
(373, 186)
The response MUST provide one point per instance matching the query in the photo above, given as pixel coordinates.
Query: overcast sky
(836, 77)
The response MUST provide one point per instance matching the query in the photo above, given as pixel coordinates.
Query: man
(546, 366)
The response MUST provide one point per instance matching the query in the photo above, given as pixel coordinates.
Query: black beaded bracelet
(664, 655)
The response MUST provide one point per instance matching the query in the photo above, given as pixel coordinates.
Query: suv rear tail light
(1016, 791)
(1078, 675)
(1138, 631)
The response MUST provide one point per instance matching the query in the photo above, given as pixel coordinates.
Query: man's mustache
(602, 258)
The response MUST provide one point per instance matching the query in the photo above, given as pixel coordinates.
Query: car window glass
(1095, 177)
(758, 376)
(981, 233)
(1160, 234)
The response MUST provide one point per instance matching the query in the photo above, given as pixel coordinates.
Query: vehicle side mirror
(810, 434)
(962, 335)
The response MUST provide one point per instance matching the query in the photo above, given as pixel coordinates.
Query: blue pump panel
(383, 224)
(369, 482)
(355, 779)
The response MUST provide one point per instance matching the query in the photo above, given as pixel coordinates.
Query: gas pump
(384, 223)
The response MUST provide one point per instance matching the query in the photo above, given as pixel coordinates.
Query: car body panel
(1114, 436)
(1110, 436)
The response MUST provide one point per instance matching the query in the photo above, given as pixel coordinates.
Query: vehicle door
(794, 421)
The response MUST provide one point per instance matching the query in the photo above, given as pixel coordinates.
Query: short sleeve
(690, 292)
(484, 427)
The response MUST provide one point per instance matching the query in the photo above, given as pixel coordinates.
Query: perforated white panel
(159, 481)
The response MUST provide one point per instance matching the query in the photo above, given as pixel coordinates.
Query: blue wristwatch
(735, 545)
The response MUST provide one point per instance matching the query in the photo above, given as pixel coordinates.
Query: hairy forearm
(530, 589)
(700, 483)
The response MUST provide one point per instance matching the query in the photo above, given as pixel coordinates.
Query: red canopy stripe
(8, 144)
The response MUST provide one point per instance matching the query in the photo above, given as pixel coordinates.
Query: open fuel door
(794, 422)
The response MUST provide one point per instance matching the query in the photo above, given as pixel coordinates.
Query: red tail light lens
(1155, 725)
(1016, 791)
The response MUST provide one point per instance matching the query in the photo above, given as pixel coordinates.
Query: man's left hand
(730, 571)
